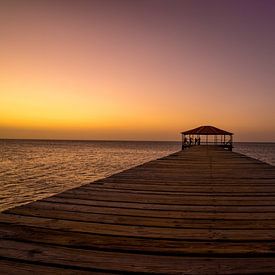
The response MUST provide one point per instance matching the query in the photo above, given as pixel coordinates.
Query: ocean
(35, 169)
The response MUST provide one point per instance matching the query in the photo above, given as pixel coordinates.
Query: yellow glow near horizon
(45, 106)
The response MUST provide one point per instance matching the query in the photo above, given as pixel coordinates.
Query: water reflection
(30, 170)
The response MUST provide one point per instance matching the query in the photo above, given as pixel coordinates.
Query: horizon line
(115, 140)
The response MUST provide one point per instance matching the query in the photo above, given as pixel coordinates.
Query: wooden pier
(204, 210)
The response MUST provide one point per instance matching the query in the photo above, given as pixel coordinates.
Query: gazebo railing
(223, 141)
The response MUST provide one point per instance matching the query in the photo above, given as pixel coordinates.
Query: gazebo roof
(206, 130)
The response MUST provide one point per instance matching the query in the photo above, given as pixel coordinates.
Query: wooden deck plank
(237, 191)
(193, 182)
(147, 221)
(128, 262)
(164, 211)
(136, 244)
(11, 267)
(77, 205)
(169, 199)
(140, 230)
(244, 188)
(200, 211)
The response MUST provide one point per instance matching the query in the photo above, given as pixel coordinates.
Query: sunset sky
(142, 70)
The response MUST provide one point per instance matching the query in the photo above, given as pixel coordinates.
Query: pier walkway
(204, 210)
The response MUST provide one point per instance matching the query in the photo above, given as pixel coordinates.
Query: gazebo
(207, 135)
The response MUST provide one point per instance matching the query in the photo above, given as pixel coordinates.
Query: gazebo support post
(231, 143)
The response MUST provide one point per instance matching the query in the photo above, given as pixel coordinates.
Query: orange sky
(146, 71)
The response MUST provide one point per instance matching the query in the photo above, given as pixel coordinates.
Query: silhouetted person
(199, 141)
(191, 141)
(185, 141)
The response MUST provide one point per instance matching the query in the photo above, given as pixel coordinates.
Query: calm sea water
(34, 169)
(259, 150)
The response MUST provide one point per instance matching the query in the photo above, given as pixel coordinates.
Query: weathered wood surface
(200, 211)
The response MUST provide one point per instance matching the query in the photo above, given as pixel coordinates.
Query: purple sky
(136, 69)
